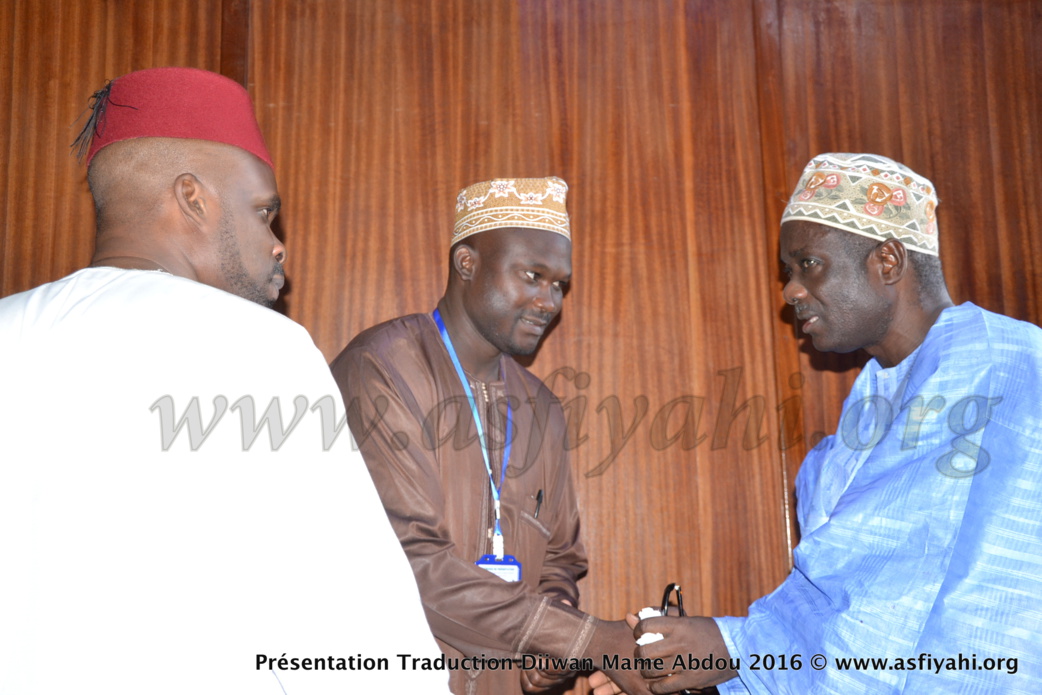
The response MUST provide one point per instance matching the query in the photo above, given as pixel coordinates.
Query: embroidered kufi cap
(870, 195)
(527, 203)
(174, 103)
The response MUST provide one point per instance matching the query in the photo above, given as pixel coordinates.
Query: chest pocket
(531, 535)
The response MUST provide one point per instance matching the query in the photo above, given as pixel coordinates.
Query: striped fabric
(921, 522)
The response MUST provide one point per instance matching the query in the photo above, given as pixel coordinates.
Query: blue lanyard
(483, 441)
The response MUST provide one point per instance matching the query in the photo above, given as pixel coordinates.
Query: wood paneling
(235, 39)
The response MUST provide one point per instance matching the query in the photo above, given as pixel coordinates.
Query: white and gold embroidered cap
(870, 195)
(526, 203)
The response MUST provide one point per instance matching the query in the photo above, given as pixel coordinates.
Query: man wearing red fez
(178, 509)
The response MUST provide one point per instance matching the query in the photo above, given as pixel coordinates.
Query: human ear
(464, 261)
(892, 257)
(193, 199)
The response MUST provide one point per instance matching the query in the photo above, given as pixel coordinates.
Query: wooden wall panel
(739, 480)
(60, 52)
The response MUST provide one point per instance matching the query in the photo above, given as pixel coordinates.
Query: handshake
(671, 654)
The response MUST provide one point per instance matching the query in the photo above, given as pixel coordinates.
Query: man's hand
(602, 685)
(615, 638)
(692, 637)
(599, 681)
(536, 681)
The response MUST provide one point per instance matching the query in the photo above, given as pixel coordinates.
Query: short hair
(133, 168)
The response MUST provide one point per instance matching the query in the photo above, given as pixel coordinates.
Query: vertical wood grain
(235, 39)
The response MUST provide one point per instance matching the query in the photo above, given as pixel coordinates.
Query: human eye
(269, 208)
(808, 263)
(530, 275)
(561, 285)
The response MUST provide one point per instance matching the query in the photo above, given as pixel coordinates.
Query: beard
(234, 272)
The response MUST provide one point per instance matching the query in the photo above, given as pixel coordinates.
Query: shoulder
(104, 294)
(391, 340)
(117, 345)
(407, 343)
(991, 355)
(225, 324)
(974, 335)
(402, 333)
(122, 319)
(1003, 330)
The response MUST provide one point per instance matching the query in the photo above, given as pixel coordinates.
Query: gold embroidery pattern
(527, 203)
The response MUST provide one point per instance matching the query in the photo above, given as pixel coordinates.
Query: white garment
(128, 569)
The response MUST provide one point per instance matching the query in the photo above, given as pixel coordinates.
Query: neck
(909, 328)
(478, 357)
(134, 249)
(127, 263)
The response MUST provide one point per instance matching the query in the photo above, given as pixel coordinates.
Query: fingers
(536, 681)
(629, 682)
(532, 682)
(654, 667)
(664, 686)
(602, 685)
(662, 625)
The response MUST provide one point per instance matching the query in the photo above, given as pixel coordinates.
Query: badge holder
(508, 568)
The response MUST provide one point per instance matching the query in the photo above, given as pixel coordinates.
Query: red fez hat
(176, 103)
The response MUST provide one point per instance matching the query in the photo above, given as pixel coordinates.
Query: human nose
(793, 291)
(548, 299)
(278, 250)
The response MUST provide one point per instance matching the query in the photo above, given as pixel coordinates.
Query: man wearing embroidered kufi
(467, 447)
(154, 539)
(921, 528)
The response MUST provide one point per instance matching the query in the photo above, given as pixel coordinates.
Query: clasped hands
(662, 666)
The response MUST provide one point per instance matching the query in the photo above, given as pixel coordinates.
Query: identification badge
(508, 569)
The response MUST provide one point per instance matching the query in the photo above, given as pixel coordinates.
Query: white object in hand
(649, 637)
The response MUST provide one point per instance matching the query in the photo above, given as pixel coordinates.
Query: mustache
(802, 311)
(539, 317)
